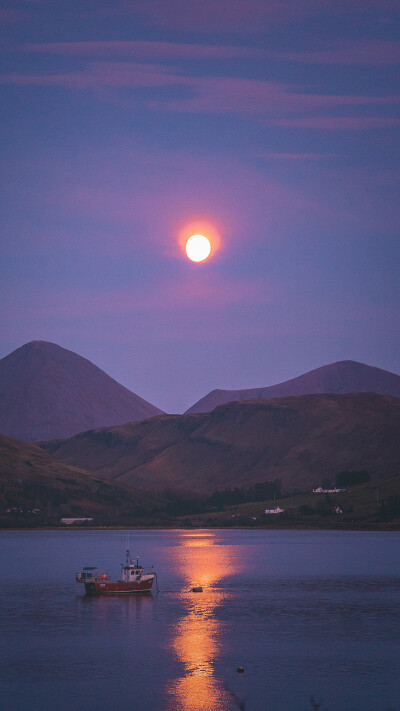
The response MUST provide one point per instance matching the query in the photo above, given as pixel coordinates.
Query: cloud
(339, 123)
(145, 50)
(254, 17)
(101, 75)
(252, 96)
(297, 156)
(202, 94)
(208, 15)
(366, 52)
(236, 16)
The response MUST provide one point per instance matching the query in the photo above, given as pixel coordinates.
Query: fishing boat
(134, 579)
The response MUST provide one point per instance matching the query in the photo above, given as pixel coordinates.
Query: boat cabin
(131, 572)
(91, 574)
(88, 575)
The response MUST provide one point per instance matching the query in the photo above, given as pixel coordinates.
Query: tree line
(222, 498)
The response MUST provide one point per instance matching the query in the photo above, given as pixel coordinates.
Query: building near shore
(321, 490)
(276, 510)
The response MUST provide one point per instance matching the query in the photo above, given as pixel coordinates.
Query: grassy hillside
(370, 505)
(298, 440)
(36, 489)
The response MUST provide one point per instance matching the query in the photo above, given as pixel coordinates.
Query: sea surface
(307, 614)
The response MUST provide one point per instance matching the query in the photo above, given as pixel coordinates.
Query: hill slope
(31, 479)
(345, 376)
(373, 505)
(300, 440)
(47, 391)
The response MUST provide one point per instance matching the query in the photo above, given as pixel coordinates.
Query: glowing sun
(198, 248)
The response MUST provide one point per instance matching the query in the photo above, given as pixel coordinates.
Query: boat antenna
(128, 557)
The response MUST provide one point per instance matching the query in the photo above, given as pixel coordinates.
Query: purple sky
(274, 121)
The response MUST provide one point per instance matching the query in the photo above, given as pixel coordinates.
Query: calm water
(305, 613)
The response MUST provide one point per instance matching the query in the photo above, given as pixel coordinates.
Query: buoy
(240, 670)
(198, 589)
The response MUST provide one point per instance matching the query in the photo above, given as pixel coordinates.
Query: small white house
(70, 521)
(320, 490)
(276, 510)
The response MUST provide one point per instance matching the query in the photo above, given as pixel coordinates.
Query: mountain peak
(47, 391)
(344, 376)
(40, 344)
(50, 343)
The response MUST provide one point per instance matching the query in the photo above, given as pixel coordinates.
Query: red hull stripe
(119, 587)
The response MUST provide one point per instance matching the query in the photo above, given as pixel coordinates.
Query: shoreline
(384, 527)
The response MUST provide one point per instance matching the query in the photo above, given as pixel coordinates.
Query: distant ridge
(300, 440)
(345, 376)
(49, 392)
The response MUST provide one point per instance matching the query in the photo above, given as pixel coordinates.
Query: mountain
(345, 376)
(299, 440)
(47, 391)
(30, 479)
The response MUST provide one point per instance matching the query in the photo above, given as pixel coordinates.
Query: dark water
(305, 613)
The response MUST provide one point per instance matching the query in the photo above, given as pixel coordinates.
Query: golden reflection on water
(196, 637)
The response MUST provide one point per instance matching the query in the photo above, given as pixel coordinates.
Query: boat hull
(119, 587)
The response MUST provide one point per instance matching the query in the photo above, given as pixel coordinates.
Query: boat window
(88, 575)
(132, 572)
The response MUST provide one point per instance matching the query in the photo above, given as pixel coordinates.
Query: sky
(271, 125)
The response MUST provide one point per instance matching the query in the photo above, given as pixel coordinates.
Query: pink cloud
(341, 123)
(251, 96)
(367, 52)
(145, 50)
(206, 94)
(297, 156)
(254, 16)
(101, 74)
(207, 15)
